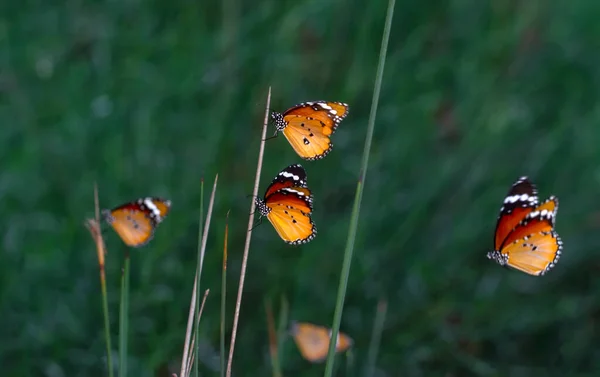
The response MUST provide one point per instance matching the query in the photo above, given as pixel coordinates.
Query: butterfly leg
(272, 137)
(257, 223)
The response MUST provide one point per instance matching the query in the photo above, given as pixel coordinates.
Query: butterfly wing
(532, 246)
(540, 219)
(289, 213)
(308, 127)
(293, 175)
(521, 199)
(313, 341)
(535, 254)
(135, 222)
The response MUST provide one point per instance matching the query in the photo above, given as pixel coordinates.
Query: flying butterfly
(313, 341)
(288, 205)
(309, 125)
(525, 238)
(135, 222)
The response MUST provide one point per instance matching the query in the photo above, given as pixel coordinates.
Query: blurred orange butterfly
(313, 341)
(309, 125)
(288, 204)
(135, 222)
(525, 238)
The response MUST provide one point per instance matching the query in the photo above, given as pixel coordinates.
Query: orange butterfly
(309, 125)
(136, 221)
(313, 341)
(288, 205)
(525, 238)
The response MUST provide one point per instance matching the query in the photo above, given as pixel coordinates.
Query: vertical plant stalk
(224, 295)
(376, 337)
(93, 226)
(359, 190)
(273, 343)
(190, 361)
(283, 321)
(194, 300)
(238, 302)
(124, 316)
(198, 266)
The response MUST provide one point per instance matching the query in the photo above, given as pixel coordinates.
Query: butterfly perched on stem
(288, 205)
(135, 222)
(309, 125)
(525, 238)
(313, 341)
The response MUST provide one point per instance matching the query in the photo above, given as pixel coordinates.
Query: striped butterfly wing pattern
(309, 126)
(287, 205)
(525, 238)
(135, 222)
(313, 341)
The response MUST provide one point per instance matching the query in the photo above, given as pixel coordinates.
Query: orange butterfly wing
(534, 254)
(136, 222)
(309, 125)
(525, 238)
(540, 219)
(289, 214)
(313, 341)
(520, 201)
(288, 205)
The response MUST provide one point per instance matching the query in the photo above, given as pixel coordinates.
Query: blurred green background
(147, 98)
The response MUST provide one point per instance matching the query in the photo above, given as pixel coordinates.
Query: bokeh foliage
(147, 98)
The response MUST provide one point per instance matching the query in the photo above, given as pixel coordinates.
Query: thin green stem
(107, 329)
(376, 337)
(123, 317)
(94, 228)
(283, 321)
(199, 268)
(192, 326)
(224, 295)
(359, 190)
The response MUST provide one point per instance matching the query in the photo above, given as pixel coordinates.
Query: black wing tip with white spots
(522, 194)
(333, 115)
(295, 172)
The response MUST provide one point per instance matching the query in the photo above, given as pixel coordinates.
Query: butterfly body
(287, 204)
(136, 221)
(313, 341)
(309, 125)
(525, 238)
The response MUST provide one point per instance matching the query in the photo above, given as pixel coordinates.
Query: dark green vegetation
(148, 99)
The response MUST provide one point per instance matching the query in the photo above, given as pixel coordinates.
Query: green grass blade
(376, 337)
(196, 309)
(124, 317)
(224, 296)
(198, 266)
(359, 190)
(93, 226)
(282, 329)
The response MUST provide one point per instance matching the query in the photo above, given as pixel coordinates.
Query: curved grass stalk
(359, 191)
